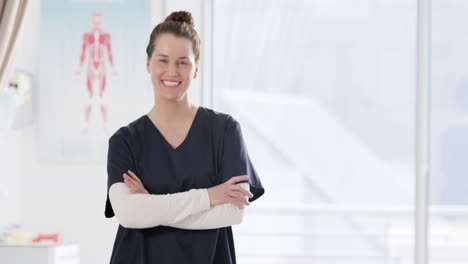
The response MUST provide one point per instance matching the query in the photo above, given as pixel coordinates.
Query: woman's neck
(169, 111)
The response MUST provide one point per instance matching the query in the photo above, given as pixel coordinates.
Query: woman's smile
(171, 83)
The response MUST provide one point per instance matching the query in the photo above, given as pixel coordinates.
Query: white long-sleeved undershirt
(185, 210)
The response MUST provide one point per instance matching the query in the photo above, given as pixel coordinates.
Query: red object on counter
(57, 237)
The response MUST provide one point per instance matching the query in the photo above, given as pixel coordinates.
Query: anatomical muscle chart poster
(92, 75)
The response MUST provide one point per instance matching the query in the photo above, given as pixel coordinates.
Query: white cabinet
(62, 253)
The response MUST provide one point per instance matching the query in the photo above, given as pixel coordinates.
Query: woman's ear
(148, 64)
(196, 73)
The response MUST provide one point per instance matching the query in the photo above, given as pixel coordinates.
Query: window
(449, 133)
(325, 93)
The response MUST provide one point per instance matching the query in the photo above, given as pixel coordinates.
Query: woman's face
(172, 66)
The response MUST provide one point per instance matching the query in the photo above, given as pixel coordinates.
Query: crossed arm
(216, 207)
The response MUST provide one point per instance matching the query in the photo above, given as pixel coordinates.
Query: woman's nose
(172, 69)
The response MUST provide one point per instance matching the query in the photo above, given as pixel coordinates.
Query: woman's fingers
(230, 193)
(130, 186)
(133, 187)
(237, 179)
(240, 197)
(136, 185)
(238, 188)
(128, 182)
(133, 175)
(138, 182)
(236, 203)
(130, 179)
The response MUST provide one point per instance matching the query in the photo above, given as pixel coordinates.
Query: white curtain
(11, 20)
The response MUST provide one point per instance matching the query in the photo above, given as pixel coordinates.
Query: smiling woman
(172, 67)
(180, 176)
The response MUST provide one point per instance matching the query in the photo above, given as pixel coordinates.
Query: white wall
(10, 177)
(11, 140)
(59, 198)
(66, 198)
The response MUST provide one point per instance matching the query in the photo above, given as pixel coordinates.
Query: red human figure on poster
(96, 43)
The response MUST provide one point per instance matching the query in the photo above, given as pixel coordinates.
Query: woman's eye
(182, 62)
(163, 61)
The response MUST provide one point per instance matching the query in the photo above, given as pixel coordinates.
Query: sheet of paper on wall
(16, 108)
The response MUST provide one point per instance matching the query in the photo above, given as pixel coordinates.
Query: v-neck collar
(186, 137)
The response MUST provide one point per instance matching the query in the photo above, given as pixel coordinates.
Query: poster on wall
(92, 77)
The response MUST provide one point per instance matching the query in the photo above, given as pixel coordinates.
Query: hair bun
(181, 16)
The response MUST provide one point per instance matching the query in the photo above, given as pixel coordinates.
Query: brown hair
(181, 25)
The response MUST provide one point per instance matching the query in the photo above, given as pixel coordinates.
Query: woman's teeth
(169, 83)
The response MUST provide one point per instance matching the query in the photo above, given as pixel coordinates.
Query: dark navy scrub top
(212, 153)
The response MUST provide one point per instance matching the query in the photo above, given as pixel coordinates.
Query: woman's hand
(134, 183)
(230, 192)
